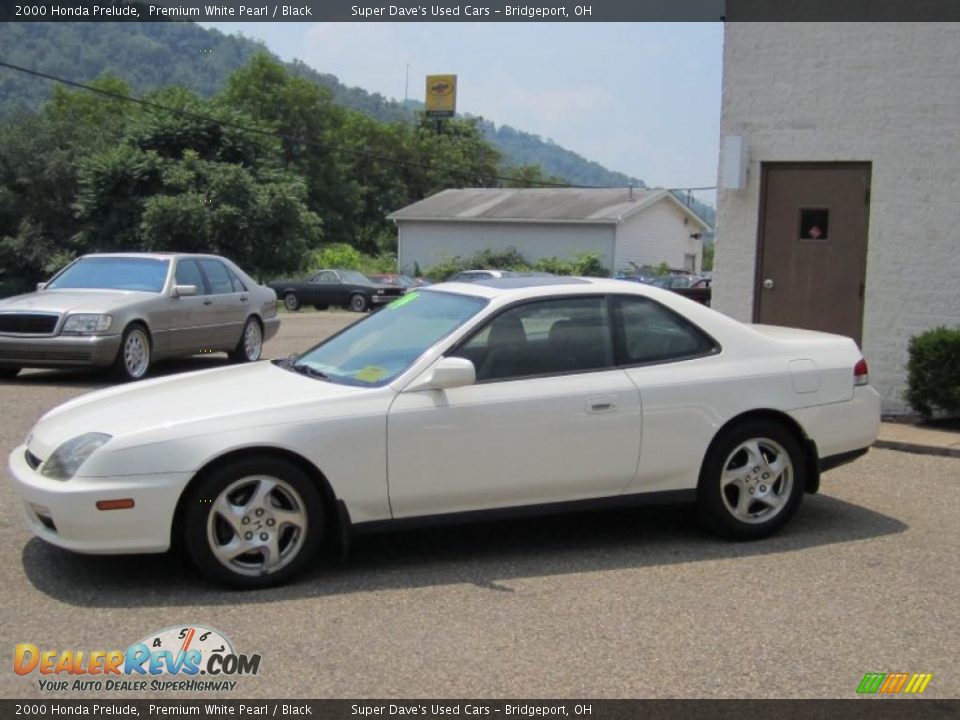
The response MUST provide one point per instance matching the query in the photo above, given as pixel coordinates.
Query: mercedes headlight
(67, 459)
(86, 324)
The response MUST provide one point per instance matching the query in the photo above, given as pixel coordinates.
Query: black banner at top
(476, 11)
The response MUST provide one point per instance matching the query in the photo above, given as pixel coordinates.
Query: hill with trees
(149, 56)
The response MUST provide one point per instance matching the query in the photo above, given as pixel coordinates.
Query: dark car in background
(335, 288)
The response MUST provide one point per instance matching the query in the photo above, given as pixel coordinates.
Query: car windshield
(113, 273)
(352, 276)
(376, 350)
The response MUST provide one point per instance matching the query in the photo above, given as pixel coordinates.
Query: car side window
(218, 276)
(652, 333)
(327, 276)
(546, 337)
(237, 283)
(189, 274)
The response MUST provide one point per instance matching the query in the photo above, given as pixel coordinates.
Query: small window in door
(189, 274)
(547, 337)
(814, 223)
(690, 262)
(653, 334)
(217, 276)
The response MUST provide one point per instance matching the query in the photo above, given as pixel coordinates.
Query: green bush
(347, 257)
(933, 372)
(584, 264)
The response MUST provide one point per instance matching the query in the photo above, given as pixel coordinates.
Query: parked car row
(695, 287)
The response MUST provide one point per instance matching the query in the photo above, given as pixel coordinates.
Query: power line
(246, 128)
(327, 146)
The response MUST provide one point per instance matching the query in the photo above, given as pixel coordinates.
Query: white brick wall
(657, 234)
(885, 93)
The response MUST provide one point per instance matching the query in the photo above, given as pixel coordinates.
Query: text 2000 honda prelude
(501, 395)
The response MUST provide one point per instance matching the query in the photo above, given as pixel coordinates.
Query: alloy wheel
(757, 480)
(257, 525)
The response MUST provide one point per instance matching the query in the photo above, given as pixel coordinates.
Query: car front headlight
(379, 292)
(86, 324)
(67, 459)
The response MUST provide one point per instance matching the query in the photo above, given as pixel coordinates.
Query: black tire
(291, 302)
(125, 367)
(203, 526)
(773, 497)
(358, 302)
(247, 350)
(8, 373)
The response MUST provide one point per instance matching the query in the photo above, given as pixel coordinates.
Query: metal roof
(541, 205)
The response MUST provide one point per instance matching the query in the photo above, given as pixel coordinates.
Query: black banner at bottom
(858, 709)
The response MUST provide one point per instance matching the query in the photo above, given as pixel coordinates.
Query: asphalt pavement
(639, 603)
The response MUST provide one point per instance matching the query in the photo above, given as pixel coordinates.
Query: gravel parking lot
(617, 604)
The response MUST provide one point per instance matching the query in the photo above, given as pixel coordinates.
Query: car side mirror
(184, 290)
(446, 373)
(41, 286)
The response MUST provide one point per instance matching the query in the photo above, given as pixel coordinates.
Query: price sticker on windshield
(371, 373)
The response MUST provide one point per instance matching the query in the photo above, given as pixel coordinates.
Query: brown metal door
(813, 246)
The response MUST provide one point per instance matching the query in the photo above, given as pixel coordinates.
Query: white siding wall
(887, 93)
(428, 243)
(657, 234)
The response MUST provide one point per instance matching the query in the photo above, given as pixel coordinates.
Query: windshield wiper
(290, 363)
(309, 371)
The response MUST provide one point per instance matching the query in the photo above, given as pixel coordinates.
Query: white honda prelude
(504, 396)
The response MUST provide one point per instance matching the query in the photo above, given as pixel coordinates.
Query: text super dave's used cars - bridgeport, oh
(503, 396)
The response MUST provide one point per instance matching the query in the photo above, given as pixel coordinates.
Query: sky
(641, 98)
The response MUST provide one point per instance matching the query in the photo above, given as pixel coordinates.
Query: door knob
(768, 284)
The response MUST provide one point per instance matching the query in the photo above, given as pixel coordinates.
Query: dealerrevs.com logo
(181, 658)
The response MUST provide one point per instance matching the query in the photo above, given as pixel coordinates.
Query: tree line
(264, 171)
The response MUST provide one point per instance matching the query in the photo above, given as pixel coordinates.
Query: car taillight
(860, 373)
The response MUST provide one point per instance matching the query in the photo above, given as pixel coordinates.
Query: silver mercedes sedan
(126, 310)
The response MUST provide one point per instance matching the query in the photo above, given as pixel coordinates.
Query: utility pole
(406, 85)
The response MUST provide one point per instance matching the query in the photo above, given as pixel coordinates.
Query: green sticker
(408, 298)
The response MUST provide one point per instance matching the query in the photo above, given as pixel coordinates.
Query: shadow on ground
(486, 555)
(94, 379)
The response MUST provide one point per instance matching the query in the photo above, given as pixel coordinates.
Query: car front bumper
(64, 512)
(383, 299)
(58, 351)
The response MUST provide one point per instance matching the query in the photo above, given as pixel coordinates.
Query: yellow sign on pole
(441, 95)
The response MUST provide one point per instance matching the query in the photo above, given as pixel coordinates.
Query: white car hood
(189, 403)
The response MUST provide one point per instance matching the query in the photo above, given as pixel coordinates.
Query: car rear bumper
(842, 428)
(64, 512)
(58, 351)
(270, 327)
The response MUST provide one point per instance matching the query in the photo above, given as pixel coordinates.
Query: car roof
(152, 255)
(522, 287)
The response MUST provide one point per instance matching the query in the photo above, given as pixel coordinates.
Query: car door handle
(243, 299)
(208, 302)
(601, 404)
